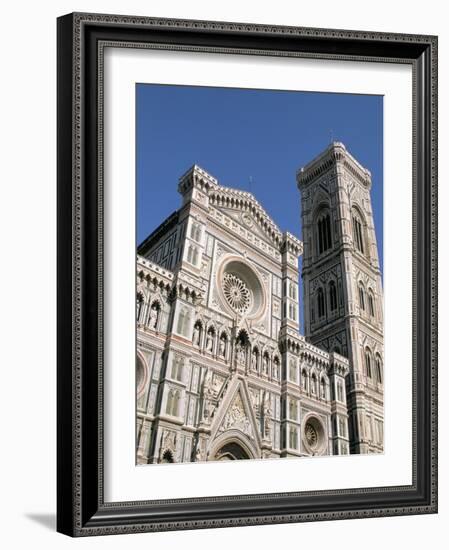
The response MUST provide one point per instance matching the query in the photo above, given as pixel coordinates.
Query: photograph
(259, 274)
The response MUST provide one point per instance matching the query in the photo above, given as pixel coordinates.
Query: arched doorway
(231, 451)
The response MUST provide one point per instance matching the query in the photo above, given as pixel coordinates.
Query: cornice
(335, 154)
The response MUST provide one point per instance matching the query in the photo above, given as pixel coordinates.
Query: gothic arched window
(371, 303)
(293, 438)
(292, 371)
(183, 322)
(292, 312)
(379, 368)
(333, 296)
(368, 367)
(320, 298)
(195, 232)
(361, 297)
(324, 232)
(177, 368)
(314, 386)
(173, 403)
(339, 391)
(292, 291)
(357, 231)
(293, 409)
(192, 255)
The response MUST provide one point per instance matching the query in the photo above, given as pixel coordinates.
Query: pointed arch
(322, 223)
(362, 295)
(379, 368)
(358, 229)
(371, 303)
(226, 441)
(368, 363)
(333, 298)
(321, 302)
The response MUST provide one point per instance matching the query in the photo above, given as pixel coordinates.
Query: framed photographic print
(247, 288)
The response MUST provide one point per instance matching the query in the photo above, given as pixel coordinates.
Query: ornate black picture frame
(81, 510)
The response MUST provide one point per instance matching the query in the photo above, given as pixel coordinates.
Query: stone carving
(254, 357)
(237, 294)
(252, 262)
(311, 435)
(265, 363)
(154, 316)
(209, 342)
(247, 219)
(267, 414)
(196, 334)
(168, 442)
(222, 346)
(209, 394)
(199, 454)
(275, 369)
(236, 418)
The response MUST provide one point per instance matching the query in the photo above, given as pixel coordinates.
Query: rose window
(237, 293)
(311, 435)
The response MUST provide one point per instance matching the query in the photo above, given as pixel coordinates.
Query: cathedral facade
(222, 370)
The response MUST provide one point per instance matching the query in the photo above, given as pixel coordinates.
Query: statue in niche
(222, 349)
(275, 369)
(267, 413)
(242, 355)
(237, 351)
(208, 395)
(154, 315)
(196, 334)
(198, 453)
(209, 342)
(265, 363)
(254, 360)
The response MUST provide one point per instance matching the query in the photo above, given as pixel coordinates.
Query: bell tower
(343, 296)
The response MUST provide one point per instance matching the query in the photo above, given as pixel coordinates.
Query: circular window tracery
(240, 288)
(311, 435)
(314, 435)
(237, 293)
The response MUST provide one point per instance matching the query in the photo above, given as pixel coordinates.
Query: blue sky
(238, 136)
